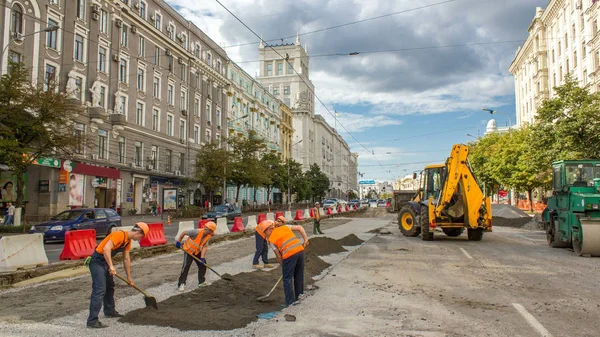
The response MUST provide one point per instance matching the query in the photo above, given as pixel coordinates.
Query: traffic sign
(367, 182)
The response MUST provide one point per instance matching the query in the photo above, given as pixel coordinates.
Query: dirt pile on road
(350, 240)
(227, 305)
(509, 216)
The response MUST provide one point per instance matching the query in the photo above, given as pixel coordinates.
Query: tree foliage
(35, 122)
(211, 162)
(245, 168)
(319, 182)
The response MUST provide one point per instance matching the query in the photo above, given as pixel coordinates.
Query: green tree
(291, 175)
(319, 182)
(271, 164)
(35, 122)
(211, 162)
(352, 195)
(245, 168)
(480, 153)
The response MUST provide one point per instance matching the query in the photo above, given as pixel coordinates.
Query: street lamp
(501, 113)
(14, 38)
(289, 194)
(470, 135)
(225, 167)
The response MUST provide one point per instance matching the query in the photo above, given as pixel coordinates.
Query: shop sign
(68, 165)
(50, 162)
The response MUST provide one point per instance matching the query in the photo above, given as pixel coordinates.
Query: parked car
(354, 202)
(330, 203)
(373, 203)
(381, 203)
(364, 202)
(103, 220)
(223, 211)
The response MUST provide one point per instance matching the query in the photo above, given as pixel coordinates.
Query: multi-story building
(153, 86)
(563, 39)
(284, 71)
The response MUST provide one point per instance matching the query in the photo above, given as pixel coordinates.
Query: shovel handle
(133, 285)
(207, 266)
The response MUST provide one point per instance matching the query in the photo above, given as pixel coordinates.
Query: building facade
(563, 39)
(153, 87)
(284, 71)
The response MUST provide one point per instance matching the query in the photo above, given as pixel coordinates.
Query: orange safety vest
(195, 246)
(286, 242)
(317, 214)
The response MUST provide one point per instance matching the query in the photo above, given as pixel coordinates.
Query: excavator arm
(461, 182)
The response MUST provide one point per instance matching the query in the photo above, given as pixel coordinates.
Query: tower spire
(298, 38)
(262, 43)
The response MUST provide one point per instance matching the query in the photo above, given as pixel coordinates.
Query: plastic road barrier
(79, 244)
(22, 251)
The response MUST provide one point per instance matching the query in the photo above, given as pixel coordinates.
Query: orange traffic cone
(169, 220)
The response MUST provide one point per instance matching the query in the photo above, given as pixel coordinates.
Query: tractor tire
(407, 222)
(552, 238)
(426, 234)
(453, 231)
(475, 234)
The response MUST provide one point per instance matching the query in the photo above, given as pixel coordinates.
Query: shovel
(149, 300)
(225, 277)
(262, 298)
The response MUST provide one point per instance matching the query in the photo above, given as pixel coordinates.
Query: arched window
(16, 23)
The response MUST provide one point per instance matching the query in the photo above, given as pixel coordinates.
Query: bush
(14, 229)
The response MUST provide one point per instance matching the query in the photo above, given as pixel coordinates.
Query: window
(183, 101)
(275, 91)
(155, 119)
(583, 52)
(139, 149)
(139, 114)
(124, 35)
(140, 79)
(123, 71)
(171, 31)
(103, 96)
(170, 63)
(218, 139)
(575, 59)
(184, 41)
(279, 68)
(196, 134)
(170, 125)
(286, 90)
(78, 50)
(207, 136)
(81, 9)
(142, 51)
(156, 55)
(158, 21)
(269, 70)
(168, 161)
(102, 59)
(154, 157)
(218, 117)
(54, 2)
(123, 108)
(218, 66)
(181, 129)
(52, 36)
(121, 153)
(16, 20)
(290, 68)
(14, 57)
(196, 106)
(143, 9)
(78, 84)
(156, 87)
(49, 77)
(79, 135)
(183, 73)
(103, 21)
(182, 163)
(102, 144)
(197, 50)
(170, 90)
(208, 58)
(208, 113)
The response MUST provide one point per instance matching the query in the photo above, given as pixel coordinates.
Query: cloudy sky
(419, 82)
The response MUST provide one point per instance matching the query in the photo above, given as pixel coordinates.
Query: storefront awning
(98, 171)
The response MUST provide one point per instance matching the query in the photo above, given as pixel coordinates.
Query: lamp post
(13, 38)
(289, 191)
(492, 112)
(225, 167)
(470, 135)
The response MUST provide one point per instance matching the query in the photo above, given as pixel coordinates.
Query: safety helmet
(211, 225)
(263, 226)
(143, 227)
(281, 218)
(317, 203)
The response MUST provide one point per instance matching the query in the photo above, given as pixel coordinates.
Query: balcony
(274, 147)
(97, 112)
(118, 119)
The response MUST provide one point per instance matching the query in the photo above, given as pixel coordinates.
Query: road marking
(532, 321)
(466, 254)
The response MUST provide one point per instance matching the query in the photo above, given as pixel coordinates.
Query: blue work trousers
(103, 289)
(262, 249)
(293, 277)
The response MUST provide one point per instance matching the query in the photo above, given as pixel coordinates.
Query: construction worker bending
(262, 250)
(102, 271)
(196, 245)
(290, 254)
(317, 223)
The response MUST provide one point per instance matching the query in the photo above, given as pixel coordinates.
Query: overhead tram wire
(289, 64)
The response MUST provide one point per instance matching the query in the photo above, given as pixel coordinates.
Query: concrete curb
(9, 278)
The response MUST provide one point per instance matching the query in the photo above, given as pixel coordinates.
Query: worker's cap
(142, 227)
(317, 203)
(211, 225)
(263, 226)
(281, 218)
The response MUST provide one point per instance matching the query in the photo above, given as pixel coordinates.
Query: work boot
(181, 287)
(257, 266)
(97, 325)
(202, 285)
(113, 315)
(268, 265)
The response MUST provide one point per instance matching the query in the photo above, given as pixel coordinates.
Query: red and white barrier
(79, 244)
(155, 237)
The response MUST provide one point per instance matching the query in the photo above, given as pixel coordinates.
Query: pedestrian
(196, 245)
(317, 221)
(290, 255)
(102, 271)
(10, 217)
(206, 203)
(159, 211)
(262, 249)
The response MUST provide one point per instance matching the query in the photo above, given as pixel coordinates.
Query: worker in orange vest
(196, 245)
(262, 250)
(102, 271)
(290, 254)
(317, 223)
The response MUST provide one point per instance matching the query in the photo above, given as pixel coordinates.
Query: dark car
(354, 202)
(223, 211)
(103, 220)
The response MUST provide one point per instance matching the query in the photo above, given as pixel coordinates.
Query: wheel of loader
(453, 231)
(407, 222)
(553, 238)
(426, 234)
(475, 234)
